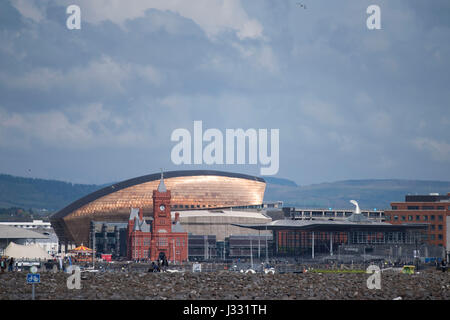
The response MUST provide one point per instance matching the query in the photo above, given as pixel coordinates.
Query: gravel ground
(228, 285)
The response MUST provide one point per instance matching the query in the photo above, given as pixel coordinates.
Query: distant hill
(52, 195)
(369, 193)
(280, 181)
(38, 194)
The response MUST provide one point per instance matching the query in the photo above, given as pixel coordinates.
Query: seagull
(301, 5)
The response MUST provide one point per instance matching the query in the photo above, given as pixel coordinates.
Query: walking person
(11, 264)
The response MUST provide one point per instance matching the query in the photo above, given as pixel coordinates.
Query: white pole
(251, 252)
(93, 248)
(174, 256)
(259, 244)
(313, 244)
(331, 243)
(267, 260)
(207, 248)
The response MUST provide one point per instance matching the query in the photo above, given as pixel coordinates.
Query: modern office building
(329, 214)
(35, 224)
(203, 247)
(191, 190)
(256, 245)
(356, 236)
(432, 210)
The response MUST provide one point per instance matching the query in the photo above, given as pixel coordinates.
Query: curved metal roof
(8, 232)
(142, 179)
(324, 225)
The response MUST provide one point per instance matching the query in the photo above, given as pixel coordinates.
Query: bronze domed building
(199, 189)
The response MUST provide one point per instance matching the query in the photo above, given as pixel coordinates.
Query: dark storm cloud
(99, 104)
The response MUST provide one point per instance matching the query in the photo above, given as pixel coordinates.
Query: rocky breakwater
(227, 285)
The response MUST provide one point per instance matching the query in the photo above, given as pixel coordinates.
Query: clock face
(162, 207)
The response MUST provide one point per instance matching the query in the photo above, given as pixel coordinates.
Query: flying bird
(301, 5)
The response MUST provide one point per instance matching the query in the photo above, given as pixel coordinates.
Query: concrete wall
(220, 225)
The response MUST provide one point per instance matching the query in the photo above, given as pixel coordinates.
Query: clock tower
(161, 209)
(162, 222)
(165, 239)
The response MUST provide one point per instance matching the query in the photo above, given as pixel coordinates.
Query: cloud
(89, 127)
(251, 29)
(259, 56)
(324, 112)
(439, 150)
(213, 16)
(104, 74)
(349, 102)
(29, 10)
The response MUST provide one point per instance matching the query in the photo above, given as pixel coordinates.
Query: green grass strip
(337, 271)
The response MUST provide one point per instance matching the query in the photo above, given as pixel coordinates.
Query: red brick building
(150, 238)
(138, 236)
(432, 209)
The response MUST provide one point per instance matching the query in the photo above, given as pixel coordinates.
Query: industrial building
(49, 241)
(20, 236)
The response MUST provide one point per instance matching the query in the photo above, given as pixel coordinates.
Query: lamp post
(416, 256)
(174, 255)
(93, 245)
(259, 245)
(206, 248)
(251, 252)
(267, 249)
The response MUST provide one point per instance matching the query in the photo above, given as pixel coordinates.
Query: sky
(99, 104)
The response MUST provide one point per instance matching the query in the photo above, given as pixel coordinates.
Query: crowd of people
(160, 266)
(7, 263)
(10, 264)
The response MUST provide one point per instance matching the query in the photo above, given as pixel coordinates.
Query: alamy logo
(74, 20)
(74, 280)
(374, 281)
(213, 153)
(374, 20)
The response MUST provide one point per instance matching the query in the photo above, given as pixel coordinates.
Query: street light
(267, 259)
(251, 252)
(416, 255)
